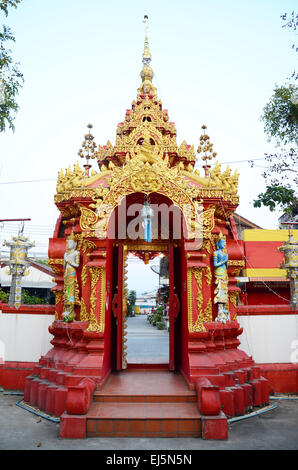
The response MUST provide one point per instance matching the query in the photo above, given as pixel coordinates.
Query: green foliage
(131, 300)
(291, 23)
(4, 4)
(11, 79)
(43, 261)
(280, 115)
(156, 319)
(276, 196)
(29, 299)
(4, 296)
(161, 325)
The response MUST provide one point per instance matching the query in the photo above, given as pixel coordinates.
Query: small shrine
(183, 214)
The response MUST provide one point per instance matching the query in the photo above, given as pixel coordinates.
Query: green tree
(276, 196)
(131, 301)
(280, 117)
(11, 79)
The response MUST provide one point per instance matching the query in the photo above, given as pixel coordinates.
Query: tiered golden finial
(147, 72)
(206, 147)
(89, 151)
(146, 53)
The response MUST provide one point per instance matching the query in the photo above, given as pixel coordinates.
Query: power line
(55, 179)
(28, 181)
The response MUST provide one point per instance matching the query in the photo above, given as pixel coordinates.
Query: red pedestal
(215, 427)
(72, 426)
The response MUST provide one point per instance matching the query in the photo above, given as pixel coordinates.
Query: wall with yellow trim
(260, 235)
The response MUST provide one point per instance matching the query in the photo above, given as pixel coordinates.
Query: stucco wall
(24, 337)
(270, 338)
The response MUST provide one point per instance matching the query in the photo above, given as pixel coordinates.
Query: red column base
(73, 426)
(214, 427)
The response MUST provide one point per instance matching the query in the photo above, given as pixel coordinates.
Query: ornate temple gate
(89, 268)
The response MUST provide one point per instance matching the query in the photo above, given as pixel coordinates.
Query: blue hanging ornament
(147, 213)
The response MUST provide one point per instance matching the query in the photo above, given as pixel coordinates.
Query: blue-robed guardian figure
(220, 263)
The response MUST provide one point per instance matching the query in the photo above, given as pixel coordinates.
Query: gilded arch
(141, 176)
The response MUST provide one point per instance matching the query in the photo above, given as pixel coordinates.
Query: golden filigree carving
(88, 245)
(233, 297)
(58, 296)
(88, 219)
(95, 275)
(204, 317)
(206, 222)
(236, 262)
(208, 275)
(84, 275)
(84, 315)
(206, 245)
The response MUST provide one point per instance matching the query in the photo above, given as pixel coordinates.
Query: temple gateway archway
(88, 251)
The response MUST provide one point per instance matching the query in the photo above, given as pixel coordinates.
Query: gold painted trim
(264, 272)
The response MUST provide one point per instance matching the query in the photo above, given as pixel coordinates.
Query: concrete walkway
(140, 325)
(145, 343)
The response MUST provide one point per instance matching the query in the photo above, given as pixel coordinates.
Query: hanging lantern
(147, 213)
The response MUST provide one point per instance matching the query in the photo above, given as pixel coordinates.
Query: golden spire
(147, 72)
(146, 54)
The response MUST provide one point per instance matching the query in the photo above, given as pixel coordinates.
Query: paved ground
(274, 430)
(145, 343)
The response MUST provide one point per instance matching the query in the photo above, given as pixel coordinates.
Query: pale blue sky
(215, 63)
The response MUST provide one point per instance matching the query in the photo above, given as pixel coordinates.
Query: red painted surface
(247, 310)
(171, 309)
(282, 378)
(184, 360)
(263, 254)
(215, 427)
(257, 293)
(119, 350)
(13, 374)
(72, 427)
(29, 309)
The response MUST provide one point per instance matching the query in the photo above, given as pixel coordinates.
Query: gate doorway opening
(147, 319)
(134, 340)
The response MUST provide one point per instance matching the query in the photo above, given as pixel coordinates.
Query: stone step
(143, 420)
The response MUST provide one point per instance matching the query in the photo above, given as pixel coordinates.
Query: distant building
(289, 217)
(146, 302)
(243, 224)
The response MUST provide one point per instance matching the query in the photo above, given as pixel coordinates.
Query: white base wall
(24, 337)
(270, 338)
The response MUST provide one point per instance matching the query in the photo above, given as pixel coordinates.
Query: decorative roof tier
(146, 124)
(146, 143)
